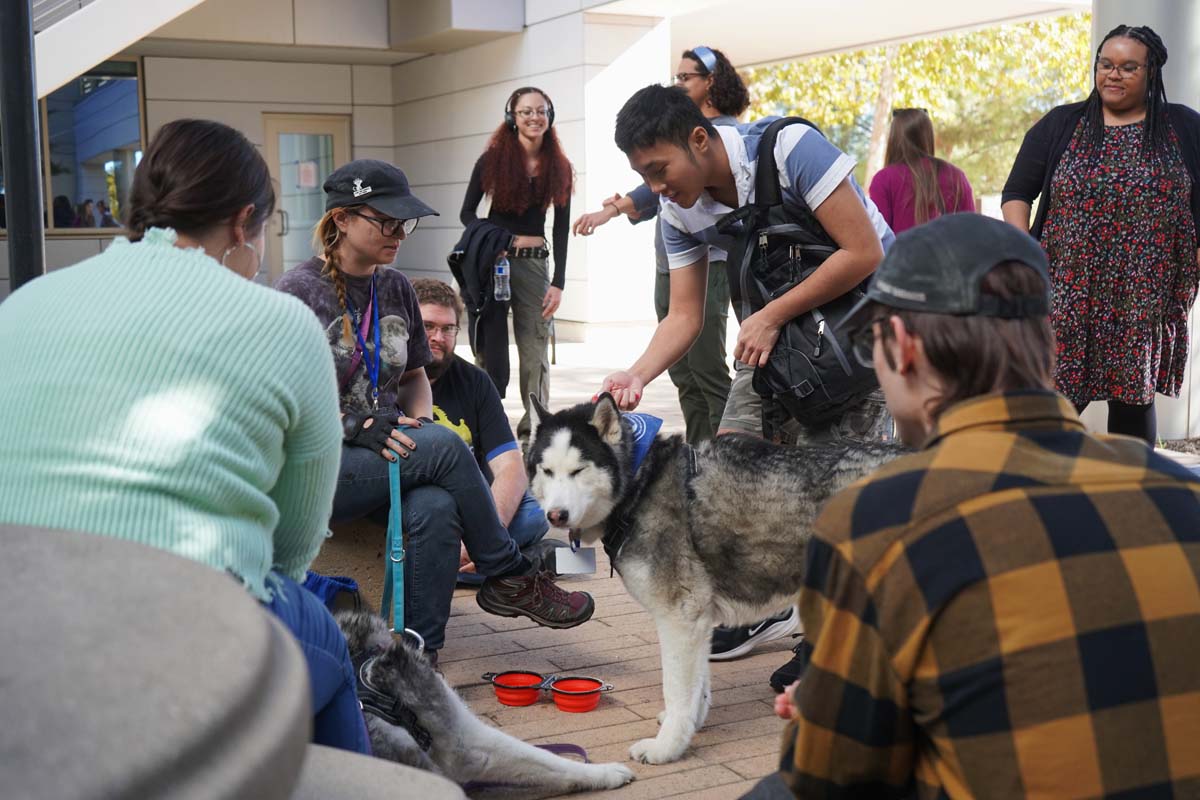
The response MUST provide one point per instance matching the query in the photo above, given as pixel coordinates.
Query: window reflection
(93, 125)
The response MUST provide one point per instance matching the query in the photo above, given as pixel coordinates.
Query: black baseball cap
(938, 267)
(377, 184)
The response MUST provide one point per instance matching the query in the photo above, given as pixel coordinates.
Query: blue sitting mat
(327, 587)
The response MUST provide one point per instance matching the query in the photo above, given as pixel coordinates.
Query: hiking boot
(540, 554)
(731, 643)
(535, 596)
(790, 672)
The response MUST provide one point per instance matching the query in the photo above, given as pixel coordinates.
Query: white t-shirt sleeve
(682, 247)
(810, 167)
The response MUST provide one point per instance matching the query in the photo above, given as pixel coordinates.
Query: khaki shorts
(747, 412)
(743, 408)
(869, 421)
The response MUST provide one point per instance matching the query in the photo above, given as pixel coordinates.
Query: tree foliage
(983, 89)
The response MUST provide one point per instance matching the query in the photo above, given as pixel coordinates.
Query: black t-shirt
(466, 401)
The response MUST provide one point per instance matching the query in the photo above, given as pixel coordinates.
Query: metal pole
(21, 151)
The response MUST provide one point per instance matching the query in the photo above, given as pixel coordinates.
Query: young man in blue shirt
(702, 173)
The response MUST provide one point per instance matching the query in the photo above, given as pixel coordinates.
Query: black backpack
(811, 371)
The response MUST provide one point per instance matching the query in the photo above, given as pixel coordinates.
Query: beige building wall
(446, 107)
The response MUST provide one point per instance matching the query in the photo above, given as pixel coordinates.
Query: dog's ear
(606, 418)
(537, 412)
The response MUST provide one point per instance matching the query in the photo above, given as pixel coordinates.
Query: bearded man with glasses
(466, 401)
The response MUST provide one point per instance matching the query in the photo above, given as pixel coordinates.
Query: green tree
(983, 89)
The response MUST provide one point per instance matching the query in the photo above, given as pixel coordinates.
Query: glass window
(94, 134)
(3, 199)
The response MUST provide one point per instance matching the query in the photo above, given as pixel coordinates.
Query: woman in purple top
(915, 186)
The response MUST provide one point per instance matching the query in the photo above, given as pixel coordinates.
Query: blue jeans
(337, 717)
(445, 501)
(529, 523)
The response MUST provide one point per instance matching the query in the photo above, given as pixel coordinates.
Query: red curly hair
(504, 176)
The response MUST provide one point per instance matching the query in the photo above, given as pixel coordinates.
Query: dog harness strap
(622, 522)
(389, 708)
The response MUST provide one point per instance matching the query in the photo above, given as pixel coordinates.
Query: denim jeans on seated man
(527, 528)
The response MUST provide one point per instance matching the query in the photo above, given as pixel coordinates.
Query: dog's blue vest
(645, 427)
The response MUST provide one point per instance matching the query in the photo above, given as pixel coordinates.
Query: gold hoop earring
(252, 248)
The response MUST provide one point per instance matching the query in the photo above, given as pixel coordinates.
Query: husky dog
(701, 537)
(440, 734)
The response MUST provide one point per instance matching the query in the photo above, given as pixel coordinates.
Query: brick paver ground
(738, 744)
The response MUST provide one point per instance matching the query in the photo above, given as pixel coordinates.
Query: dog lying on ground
(431, 727)
(701, 537)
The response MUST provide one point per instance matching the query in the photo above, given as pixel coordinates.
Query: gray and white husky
(701, 537)
(458, 744)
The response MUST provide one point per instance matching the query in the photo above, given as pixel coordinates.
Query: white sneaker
(731, 643)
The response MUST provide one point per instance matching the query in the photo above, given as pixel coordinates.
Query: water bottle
(502, 287)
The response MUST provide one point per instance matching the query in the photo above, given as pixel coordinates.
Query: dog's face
(574, 464)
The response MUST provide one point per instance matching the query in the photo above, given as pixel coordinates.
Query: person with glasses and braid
(525, 171)
(1118, 176)
(372, 321)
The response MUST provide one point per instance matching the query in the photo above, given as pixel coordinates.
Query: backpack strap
(766, 179)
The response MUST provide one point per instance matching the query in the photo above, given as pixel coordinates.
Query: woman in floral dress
(1119, 179)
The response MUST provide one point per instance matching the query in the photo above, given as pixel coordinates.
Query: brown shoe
(537, 597)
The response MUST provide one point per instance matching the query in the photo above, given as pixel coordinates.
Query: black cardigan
(1047, 140)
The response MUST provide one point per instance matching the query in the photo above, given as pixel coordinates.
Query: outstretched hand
(625, 388)
(587, 223)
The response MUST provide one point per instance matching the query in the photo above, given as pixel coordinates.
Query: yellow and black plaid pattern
(1012, 612)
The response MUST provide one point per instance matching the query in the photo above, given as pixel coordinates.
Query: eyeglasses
(684, 77)
(862, 343)
(387, 225)
(1126, 70)
(526, 113)
(441, 330)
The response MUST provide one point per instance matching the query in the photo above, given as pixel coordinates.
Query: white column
(1178, 23)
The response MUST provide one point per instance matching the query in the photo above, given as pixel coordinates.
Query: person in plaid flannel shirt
(1013, 610)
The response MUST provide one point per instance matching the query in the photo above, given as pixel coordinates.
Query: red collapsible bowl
(577, 694)
(517, 688)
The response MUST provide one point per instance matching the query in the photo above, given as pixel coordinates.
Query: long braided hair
(326, 238)
(1156, 140)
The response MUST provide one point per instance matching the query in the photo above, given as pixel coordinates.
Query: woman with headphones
(524, 171)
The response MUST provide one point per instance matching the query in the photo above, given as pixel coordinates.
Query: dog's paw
(652, 751)
(612, 776)
(662, 715)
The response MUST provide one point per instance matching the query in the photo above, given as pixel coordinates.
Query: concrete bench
(128, 672)
(332, 773)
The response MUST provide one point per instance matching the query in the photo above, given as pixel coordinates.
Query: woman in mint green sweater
(154, 393)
